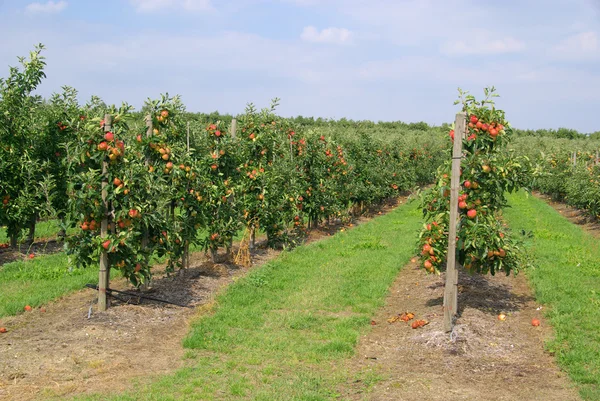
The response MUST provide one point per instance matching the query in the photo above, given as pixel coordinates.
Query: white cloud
(49, 7)
(585, 45)
(327, 35)
(483, 44)
(147, 6)
(236, 51)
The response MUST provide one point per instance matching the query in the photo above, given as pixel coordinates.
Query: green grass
(37, 281)
(284, 331)
(43, 230)
(566, 279)
(47, 277)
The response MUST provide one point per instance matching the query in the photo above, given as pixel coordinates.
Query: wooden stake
(185, 259)
(451, 288)
(145, 240)
(103, 279)
(188, 136)
(233, 127)
(252, 243)
(186, 255)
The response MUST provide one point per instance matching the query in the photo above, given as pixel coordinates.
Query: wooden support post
(233, 128)
(186, 255)
(149, 130)
(185, 262)
(252, 240)
(451, 288)
(145, 239)
(597, 158)
(574, 159)
(103, 279)
(188, 136)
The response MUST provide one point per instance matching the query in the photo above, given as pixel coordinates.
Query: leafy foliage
(488, 172)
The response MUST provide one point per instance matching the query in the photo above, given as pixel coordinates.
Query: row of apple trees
(269, 175)
(161, 181)
(568, 170)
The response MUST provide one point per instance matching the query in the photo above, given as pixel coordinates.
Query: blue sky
(360, 59)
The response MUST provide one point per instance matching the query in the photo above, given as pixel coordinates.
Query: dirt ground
(60, 351)
(486, 359)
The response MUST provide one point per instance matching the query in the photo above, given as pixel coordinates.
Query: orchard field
(285, 248)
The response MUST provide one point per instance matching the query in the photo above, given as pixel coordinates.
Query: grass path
(566, 279)
(37, 281)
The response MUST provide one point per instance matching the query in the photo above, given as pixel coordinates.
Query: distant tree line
(566, 133)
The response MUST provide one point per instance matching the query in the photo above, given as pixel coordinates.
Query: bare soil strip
(61, 352)
(486, 358)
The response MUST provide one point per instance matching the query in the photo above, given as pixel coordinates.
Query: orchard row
(571, 176)
(268, 175)
(159, 181)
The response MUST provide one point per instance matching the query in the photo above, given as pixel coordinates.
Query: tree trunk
(186, 255)
(13, 241)
(62, 233)
(13, 231)
(228, 249)
(32, 223)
